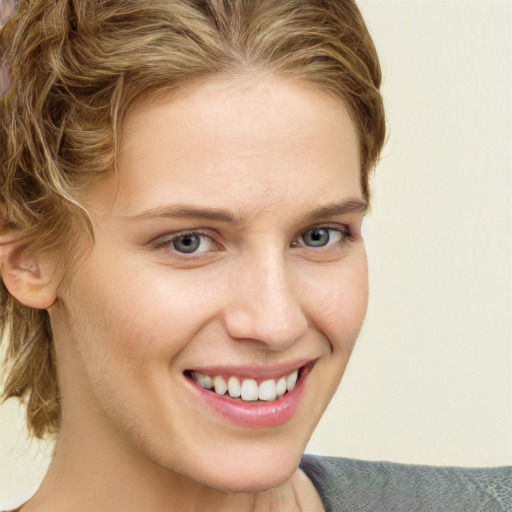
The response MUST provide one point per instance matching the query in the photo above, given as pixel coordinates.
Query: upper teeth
(248, 389)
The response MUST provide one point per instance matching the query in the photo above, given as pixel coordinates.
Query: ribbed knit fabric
(348, 485)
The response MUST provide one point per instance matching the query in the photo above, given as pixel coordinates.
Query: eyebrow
(348, 206)
(184, 211)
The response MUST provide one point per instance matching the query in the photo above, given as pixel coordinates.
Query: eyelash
(167, 241)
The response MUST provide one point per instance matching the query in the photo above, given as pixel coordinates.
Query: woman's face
(227, 254)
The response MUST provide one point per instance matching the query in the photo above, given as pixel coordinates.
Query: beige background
(430, 380)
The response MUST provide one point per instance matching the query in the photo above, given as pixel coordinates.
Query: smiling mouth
(248, 389)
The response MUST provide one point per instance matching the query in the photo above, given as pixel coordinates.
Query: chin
(251, 480)
(257, 468)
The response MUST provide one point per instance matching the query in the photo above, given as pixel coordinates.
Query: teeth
(234, 387)
(249, 390)
(220, 385)
(291, 380)
(267, 390)
(281, 386)
(204, 381)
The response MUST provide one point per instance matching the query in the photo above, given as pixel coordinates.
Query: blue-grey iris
(316, 237)
(187, 243)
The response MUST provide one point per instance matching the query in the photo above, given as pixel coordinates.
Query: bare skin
(277, 278)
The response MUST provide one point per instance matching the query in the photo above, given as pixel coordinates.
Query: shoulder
(355, 485)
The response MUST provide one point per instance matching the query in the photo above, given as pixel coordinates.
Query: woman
(184, 276)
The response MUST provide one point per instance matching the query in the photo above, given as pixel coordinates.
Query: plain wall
(430, 380)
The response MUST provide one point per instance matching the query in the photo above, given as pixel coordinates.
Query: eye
(321, 237)
(187, 243)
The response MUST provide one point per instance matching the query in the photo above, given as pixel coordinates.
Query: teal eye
(187, 243)
(320, 237)
(316, 237)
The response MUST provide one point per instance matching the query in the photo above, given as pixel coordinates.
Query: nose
(265, 304)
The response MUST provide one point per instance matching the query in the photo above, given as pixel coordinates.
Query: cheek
(339, 300)
(139, 314)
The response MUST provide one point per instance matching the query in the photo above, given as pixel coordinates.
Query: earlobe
(28, 278)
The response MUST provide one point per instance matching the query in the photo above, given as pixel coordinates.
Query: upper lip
(258, 371)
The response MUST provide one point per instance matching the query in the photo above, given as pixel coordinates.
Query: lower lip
(255, 415)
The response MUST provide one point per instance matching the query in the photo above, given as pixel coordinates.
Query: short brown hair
(78, 65)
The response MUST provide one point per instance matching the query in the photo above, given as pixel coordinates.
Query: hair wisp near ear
(27, 290)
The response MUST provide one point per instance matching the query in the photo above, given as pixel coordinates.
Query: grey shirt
(347, 485)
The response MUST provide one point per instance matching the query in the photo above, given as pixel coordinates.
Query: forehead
(233, 141)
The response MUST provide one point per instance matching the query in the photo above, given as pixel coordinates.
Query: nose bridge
(266, 306)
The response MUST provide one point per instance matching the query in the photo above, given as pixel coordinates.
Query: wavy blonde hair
(78, 65)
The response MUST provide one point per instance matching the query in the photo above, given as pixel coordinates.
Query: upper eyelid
(173, 236)
(328, 225)
(207, 233)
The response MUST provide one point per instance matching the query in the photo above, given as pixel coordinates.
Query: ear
(28, 277)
